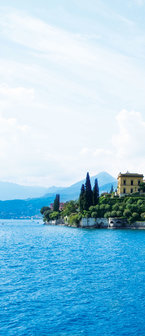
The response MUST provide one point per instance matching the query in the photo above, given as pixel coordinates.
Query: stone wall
(138, 225)
(55, 222)
(116, 223)
(94, 223)
(102, 223)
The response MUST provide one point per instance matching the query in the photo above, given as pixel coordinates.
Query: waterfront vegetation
(90, 204)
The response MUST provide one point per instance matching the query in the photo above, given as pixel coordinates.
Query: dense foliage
(129, 207)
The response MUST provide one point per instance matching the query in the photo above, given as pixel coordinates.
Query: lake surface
(70, 282)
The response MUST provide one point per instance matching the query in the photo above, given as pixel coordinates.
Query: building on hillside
(128, 183)
(61, 206)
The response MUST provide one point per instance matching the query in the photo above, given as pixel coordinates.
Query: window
(124, 191)
(124, 182)
(131, 182)
(139, 182)
(131, 190)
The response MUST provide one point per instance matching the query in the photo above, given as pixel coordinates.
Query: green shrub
(143, 216)
(94, 214)
(113, 213)
(86, 214)
(140, 202)
(127, 213)
(54, 215)
(107, 207)
(142, 208)
(107, 214)
(44, 209)
(119, 213)
(69, 208)
(92, 208)
(102, 206)
(132, 207)
(75, 219)
(115, 207)
(135, 216)
(46, 215)
(130, 200)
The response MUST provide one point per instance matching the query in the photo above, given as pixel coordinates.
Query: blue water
(71, 282)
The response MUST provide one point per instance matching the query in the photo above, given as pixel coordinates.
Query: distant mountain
(105, 181)
(9, 191)
(12, 191)
(20, 208)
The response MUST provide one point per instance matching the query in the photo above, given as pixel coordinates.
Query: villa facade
(129, 183)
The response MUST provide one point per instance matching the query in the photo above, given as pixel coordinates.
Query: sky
(72, 89)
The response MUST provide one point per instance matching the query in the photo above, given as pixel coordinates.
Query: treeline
(90, 204)
(51, 214)
(88, 197)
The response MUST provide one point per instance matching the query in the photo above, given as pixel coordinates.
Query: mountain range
(21, 202)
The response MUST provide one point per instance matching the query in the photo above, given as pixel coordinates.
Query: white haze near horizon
(72, 87)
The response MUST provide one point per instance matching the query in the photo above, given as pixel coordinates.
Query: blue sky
(72, 89)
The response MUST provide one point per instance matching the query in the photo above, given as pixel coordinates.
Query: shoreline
(108, 226)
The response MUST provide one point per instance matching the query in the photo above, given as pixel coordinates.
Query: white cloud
(38, 35)
(127, 150)
(14, 97)
(139, 2)
(129, 142)
(18, 93)
(60, 97)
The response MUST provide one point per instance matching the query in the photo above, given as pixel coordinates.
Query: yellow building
(128, 183)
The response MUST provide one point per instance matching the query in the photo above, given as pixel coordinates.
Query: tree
(94, 214)
(107, 214)
(115, 207)
(56, 203)
(119, 213)
(69, 208)
(142, 186)
(127, 213)
(54, 215)
(143, 216)
(44, 209)
(113, 213)
(82, 198)
(112, 189)
(46, 215)
(75, 219)
(96, 193)
(135, 216)
(88, 193)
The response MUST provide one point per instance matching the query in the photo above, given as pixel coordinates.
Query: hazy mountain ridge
(13, 191)
(104, 179)
(19, 208)
(10, 191)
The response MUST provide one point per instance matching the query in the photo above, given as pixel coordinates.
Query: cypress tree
(112, 189)
(56, 203)
(95, 192)
(82, 198)
(88, 193)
